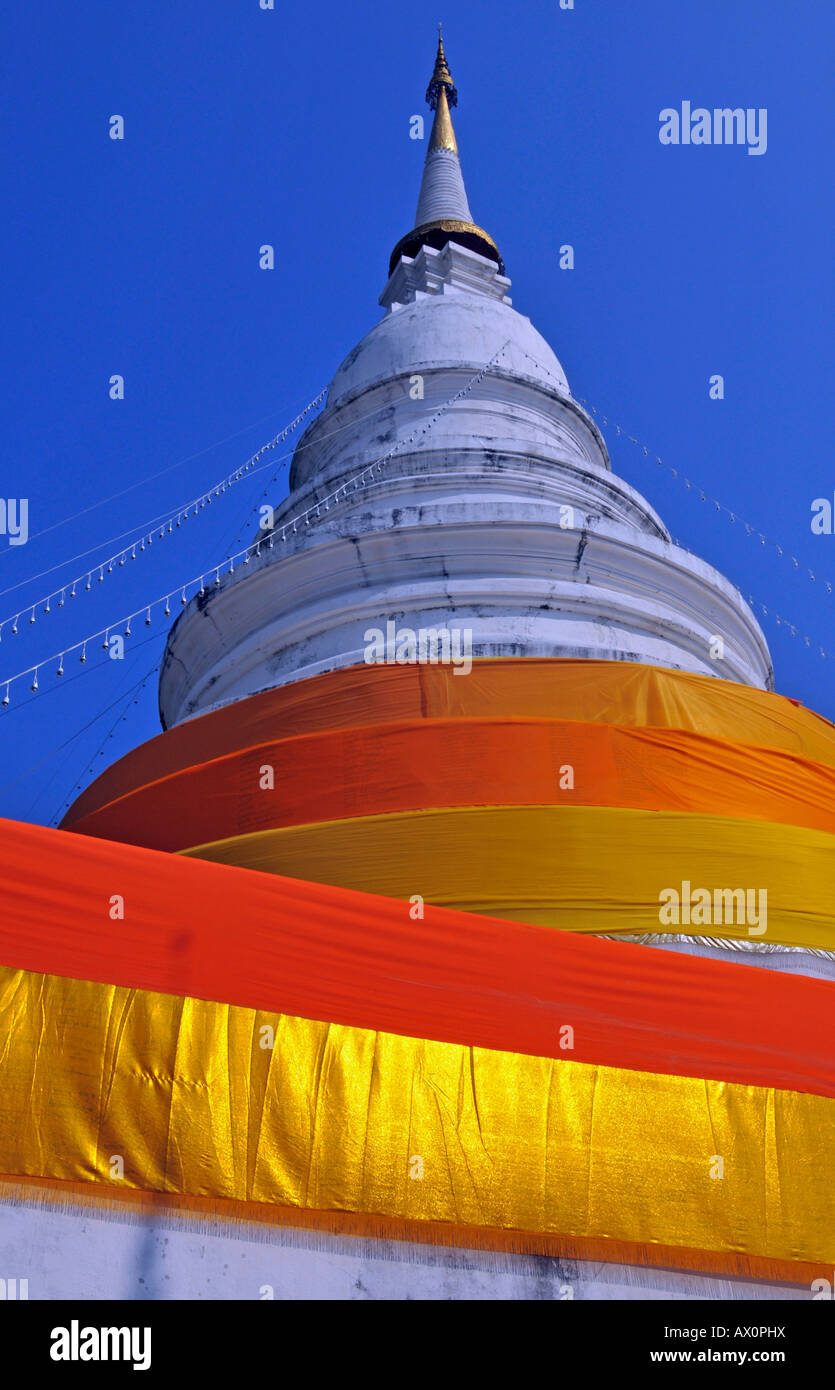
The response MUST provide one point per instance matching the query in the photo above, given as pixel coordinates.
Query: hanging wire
(78, 785)
(145, 541)
(126, 696)
(61, 746)
(141, 482)
(733, 516)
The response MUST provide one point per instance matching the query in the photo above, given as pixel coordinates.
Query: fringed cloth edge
(103, 1200)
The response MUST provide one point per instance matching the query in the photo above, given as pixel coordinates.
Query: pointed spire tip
(441, 78)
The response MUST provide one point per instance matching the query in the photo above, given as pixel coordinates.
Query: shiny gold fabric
(342, 1119)
(580, 868)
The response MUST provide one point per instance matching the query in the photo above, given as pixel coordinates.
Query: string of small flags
(766, 612)
(781, 622)
(288, 528)
(733, 517)
(791, 628)
(282, 462)
(83, 584)
(750, 529)
(50, 757)
(320, 439)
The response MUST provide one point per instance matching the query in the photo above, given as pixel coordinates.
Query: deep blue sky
(291, 127)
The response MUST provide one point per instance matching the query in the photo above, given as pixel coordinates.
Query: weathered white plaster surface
(503, 517)
(79, 1254)
(786, 959)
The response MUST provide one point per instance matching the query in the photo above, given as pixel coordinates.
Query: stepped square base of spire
(454, 268)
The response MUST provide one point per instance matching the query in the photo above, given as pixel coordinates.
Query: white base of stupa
(69, 1252)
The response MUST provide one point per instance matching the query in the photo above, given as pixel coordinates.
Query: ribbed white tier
(502, 519)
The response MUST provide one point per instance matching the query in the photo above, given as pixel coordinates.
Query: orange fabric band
(597, 692)
(190, 927)
(465, 762)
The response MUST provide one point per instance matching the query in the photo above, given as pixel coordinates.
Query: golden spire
(441, 79)
(443, 135)
(441, 94)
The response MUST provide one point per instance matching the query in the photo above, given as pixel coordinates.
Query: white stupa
(431, 500)
(498, 511)
(450, 478)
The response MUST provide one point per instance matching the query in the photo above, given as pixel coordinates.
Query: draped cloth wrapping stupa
(535, 957)
(414, 780)
(560, 1093)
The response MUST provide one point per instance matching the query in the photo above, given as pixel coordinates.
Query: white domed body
(486, 506)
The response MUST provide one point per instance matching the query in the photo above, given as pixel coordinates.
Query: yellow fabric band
(185, 1095)
(579, 868)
